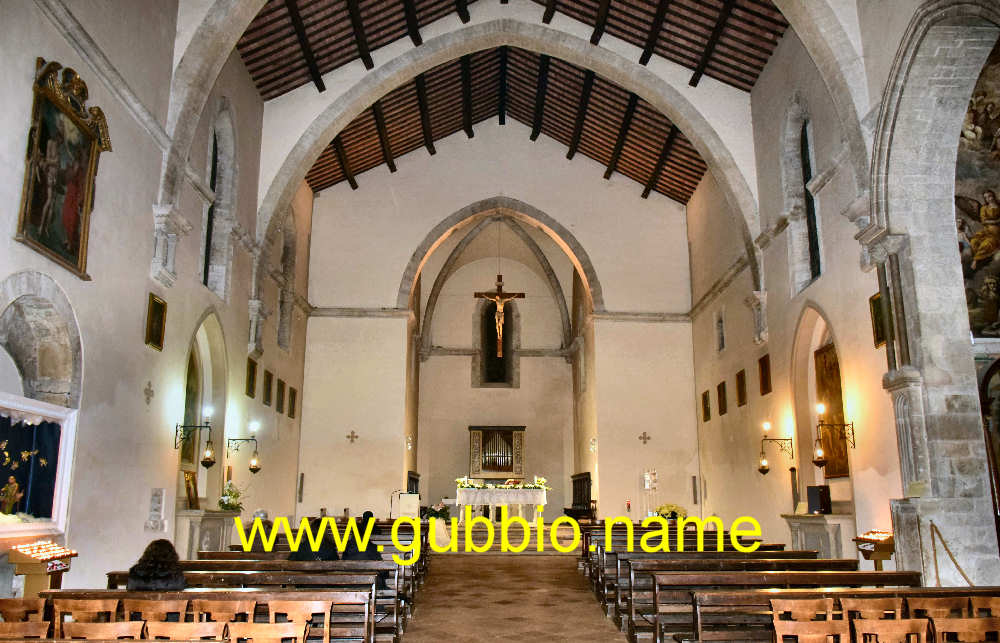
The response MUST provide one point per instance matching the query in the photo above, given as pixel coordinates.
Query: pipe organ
(496, 451)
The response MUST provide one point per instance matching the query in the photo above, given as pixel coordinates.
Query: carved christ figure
(500, 298)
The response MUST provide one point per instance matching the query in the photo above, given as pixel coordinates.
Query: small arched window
(812, 229)
(220, 215)
(496, 367)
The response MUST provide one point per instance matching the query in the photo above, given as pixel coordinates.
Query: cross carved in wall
(352, 436)
(644, 438)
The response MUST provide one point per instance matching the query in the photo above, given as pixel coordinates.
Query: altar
(496, 497)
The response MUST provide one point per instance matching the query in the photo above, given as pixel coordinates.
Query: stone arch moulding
(449, 267)
(39, 289)
(226, 190)
(664, 96)
(911, 231)
(518, 211)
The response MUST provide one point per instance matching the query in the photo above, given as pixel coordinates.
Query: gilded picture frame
(156, 322)
(65, 140)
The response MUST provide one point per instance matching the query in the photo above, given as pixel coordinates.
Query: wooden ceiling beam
(713, 40)
(383, 136)
(462, 6)
(412, 26)
(540, 89)
(661, 162)
(467, 95)
(502, 98)
(602, 21)
(425, 117)
(359, 34)
(581, 113)
(633, 101)
(654, 31)
(338, 148)
(307, 52)
(550, 10)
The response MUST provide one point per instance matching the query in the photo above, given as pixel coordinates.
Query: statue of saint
(10, 494)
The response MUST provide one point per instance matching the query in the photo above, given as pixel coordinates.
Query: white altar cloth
(497, 497)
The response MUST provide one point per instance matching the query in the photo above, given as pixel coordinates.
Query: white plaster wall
(643, 383)
(389, 216)
(124, 446)
(713, 237)
(449, 404)
(10, 377)
(355, 372)
(730, 444)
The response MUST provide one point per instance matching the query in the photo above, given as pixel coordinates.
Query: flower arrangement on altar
(439, 511)
(537, 482)
(671, 511)
(230, 499)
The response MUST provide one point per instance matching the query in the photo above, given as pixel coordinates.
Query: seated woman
(370, 552)
(158, 569)
(327, 548)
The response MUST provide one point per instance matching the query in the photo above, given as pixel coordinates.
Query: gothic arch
(448, 268)
(662, 94)
(220, 256)
(38, 328)
(518, 211)
(793, 188)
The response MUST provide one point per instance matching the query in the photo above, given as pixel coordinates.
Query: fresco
(977, 208)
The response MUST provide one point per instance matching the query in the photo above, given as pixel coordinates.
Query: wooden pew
(396, 598)
(353, 620)
(725, 615)
(674, 612)
(635, 606)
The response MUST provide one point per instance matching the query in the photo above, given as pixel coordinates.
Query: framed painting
(156, 321)
(65, 139)
(191, 489)
(878, 319)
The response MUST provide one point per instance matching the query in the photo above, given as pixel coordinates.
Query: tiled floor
(507, 597)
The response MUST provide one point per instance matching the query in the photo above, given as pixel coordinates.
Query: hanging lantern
(208, 456)
(254, 462)
(819, 457)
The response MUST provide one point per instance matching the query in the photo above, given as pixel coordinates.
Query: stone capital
(168, 220)
(902, 378)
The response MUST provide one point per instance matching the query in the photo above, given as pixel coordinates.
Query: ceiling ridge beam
(425, 117)
(654, 31)
(383, 135)
(540, 90)
(602, 21)
(467, 95)
(581, 114)
(359, 34)
(412, 25)
(307, 52)
(550, 10)
(502, 99)
(713, 40)
(661, 162)
(462, 6)
(633, 100)
(338, 148)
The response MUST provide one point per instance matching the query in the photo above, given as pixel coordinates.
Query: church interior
(602, 259)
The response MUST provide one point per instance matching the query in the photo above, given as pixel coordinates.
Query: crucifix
(499, 297)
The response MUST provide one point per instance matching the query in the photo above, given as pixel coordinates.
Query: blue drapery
(37, 481)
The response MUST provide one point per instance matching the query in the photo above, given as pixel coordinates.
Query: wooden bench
(674, 611)
(634, 595)
(352, 613)
(725, 615)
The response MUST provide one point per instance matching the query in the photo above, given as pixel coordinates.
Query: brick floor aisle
(507, 597)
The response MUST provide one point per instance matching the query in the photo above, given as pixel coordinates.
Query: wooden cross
(499, 297)
(352, 436)
(644, 438)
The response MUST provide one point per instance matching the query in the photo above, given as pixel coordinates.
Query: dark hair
(157, 569)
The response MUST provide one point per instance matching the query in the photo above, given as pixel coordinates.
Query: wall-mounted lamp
(845, 431)
(784, 445)
(184, 432)
(235, 443)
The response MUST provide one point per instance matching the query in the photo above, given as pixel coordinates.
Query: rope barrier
(935, 536)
